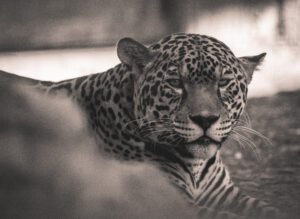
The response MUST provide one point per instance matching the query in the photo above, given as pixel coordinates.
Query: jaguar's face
(189, 93)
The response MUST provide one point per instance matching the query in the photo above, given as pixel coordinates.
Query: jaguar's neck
(199, 178)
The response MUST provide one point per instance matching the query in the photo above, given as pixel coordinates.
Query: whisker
(159, 121)
(247, 118)
(254, 132)
(235, 138)
(176, 139)
(156, 131)
(150, 124)
(249, 143)
(146, 133)
(144, 118)
(132, 121)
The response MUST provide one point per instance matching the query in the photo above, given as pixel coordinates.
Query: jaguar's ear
(250, 64)
(133, 53)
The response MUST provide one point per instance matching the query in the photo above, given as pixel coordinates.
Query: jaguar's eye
(176, 83)
(223, 82)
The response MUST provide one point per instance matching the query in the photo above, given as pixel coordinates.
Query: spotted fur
(172, 104)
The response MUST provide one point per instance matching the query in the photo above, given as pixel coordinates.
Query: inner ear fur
(250, 64)
(133, 53)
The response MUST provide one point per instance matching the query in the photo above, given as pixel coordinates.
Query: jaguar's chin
(202, 148)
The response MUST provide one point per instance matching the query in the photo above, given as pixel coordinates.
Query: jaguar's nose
(204, 121)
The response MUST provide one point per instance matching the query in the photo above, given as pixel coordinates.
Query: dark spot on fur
(145, 89)
(46, 83)
(154, 90)
(156, 46)
(112, 114)
(79, 81)
(162, 107)
(155, 113)
(159, 74)
(116, 98)
(242, 87)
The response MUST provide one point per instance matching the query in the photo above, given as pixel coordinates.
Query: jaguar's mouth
(203, 148)
(204, 141)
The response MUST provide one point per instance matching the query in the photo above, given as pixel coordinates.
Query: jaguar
(172, 104)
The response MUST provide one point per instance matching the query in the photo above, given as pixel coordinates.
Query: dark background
(39, 24)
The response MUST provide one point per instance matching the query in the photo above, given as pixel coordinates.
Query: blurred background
(60, 39)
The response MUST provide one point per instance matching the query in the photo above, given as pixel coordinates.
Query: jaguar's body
(172, 104)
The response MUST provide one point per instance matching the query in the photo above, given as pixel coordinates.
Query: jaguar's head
(189, 91)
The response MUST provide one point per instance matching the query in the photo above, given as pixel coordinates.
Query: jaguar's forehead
(191, 44)
(200, 57)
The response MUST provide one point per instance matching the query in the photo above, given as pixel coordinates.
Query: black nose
(204, 121)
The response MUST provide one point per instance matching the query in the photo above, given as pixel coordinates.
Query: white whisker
(248, 143)
(252, 131)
